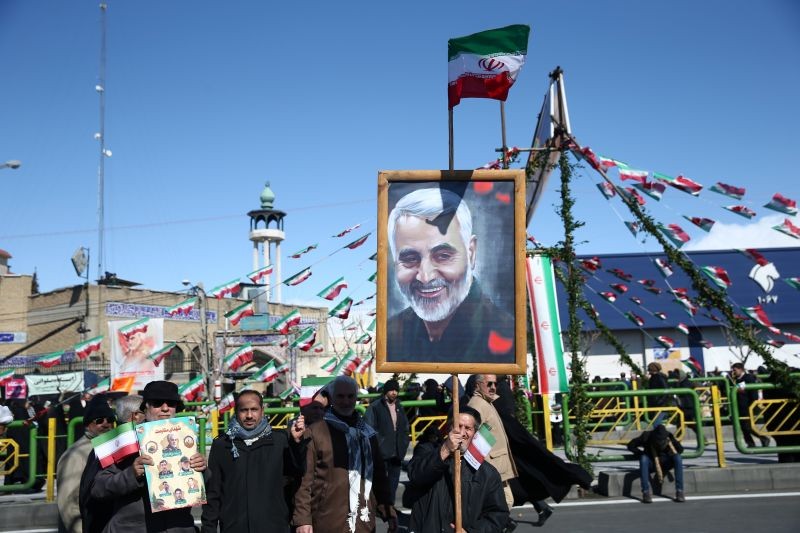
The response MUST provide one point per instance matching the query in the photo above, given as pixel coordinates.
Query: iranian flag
(621, 274)
(231, 288)
(288, 321)
(358, 242)
(364, 339)
(693, 365)
(288, 392)
(718, 275)
(791, 336)
(191, 390)
(787, 228)
(372, 325)
(50, 359)
(591, 265)
(607, 162)
(330, 365)
(665, 341)
(318, 348)
(283, 368)
(776, 343)
(681, 183)
(373, 277)
(302, 252)
(363, 367)
(183, 308)
(348, 364)
(631, 193)
(619, 287)
(549, 351)
(6, 375)
(633, 227)
(299, 278)
(688, 306)
(256, 276)
(675, 233)
(793, 282)
(757, 314)
(85, 348)
(636, 300)
(239, 357)
(305, 339)
(227, 403)
(610, 297)
(683, 328)
(652, 189)
(342, 309)
(237, 314)
(636, 319)
(660, 314)
(782, 204)
(728, 190)
(608, 190)
(485, 64)
(113, 446)
(159, 355)
(704, 224)
(348, 230)
(310, 386)
(104, 385)
(266, 373)
(639, 176)
(140, 326)
(663, 267)
(741, 210)
(332, 291)
(755, 255)
(479, 447)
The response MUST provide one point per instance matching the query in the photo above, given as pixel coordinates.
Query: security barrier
(32, 457)
(768, 418)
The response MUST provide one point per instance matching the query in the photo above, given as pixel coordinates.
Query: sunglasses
(158, 403)
(491, 383)
(103, 419)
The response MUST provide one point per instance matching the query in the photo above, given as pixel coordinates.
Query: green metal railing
(737, 426)
(32, 456)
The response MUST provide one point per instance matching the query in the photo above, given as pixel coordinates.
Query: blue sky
(208, 100)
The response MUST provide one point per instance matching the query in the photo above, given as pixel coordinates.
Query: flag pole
(456, 459)
(450, 133)
(504, 159)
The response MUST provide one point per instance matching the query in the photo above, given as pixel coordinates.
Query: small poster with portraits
(171, 482)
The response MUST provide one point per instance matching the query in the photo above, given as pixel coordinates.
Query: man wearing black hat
(97, 419)
(387, 417)
(123, 485)
(658, 450)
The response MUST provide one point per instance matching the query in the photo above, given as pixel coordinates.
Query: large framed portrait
(451, 271)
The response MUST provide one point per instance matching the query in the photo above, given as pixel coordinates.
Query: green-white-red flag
(115, 445)
(332, 291)
(546, 325)
(159, 355)
(104, 385)
(239, 357)
(479, 448)
(235, 315)
(718, 275)
(299, 278)
(288, 321)
(330, 365)
(6, 375)
(230, 288)
(342, 309)
(305, 339)
(191, 390)
(358, 242)
(256, 276)
(348, 364)
(266, 373)
(86, 348)
(139, 326)
(302, 252)
(309, 387)
(183, 308)
(485, 64)
(49, 359)
(782, 204)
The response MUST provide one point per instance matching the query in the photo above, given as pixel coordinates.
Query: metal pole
(51, 459)
(504, 155)
(456, 458)
(204, 356)
(450, 143)
(101, 90)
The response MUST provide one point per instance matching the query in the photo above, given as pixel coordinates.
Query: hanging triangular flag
(610, 297)
(755, 255)
(741, 210)
(50, 359)
(728, 190)
(687, 305)
(342, 309)
(266, 373)
(159, 355)
(652, 189)
(364, 339)
(257, 275)
(632, 195)
(191, 391)
(239, 357)
(236, 315)
(666, 342)
(787, 228)
(636, 319)
(782, 204)
(633, 227)
(636, 300)
(305, 250)
(675, 234)
(373, 277)
(718, 275)
(85, 348)
(183, 308)
(586, 154)
(289, 320)
(681, 183)
(608, 190)
(590, 265)
(305, 339)
(619, 287)
(299, 278)
(332, 291)
(775, 343)
(358, 242)
(348, 230)
(693, 365)
(660, 314)
(639, 176)
(706, 344)
(371, 326)
(621, 274)
(758, 315)
(793, 282)
(683, 328)
(663, 266)
(704, 224)
(230, 288)
(607, 162)
(361, 302)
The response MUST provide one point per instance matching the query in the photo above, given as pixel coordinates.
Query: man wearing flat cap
(97, 419)
(123, 485)
(387, 417)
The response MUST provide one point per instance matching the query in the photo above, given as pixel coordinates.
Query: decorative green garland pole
(581, 406)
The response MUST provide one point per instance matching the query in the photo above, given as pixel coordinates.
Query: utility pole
(205, 358)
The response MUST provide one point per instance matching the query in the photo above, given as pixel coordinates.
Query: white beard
(437, 309)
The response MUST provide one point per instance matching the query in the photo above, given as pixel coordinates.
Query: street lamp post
(213, 375)
(11, 163)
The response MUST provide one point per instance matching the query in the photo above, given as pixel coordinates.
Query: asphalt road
(769, 512)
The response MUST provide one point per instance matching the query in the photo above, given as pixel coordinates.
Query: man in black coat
(660, 451)
(387, 417)
(743, 400)
(248, 467)
(430, 473)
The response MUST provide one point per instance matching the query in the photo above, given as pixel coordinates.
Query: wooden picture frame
(434, 268)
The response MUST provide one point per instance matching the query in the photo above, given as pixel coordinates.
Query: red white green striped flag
(299, 278)
(363, 367)
(115, 445)
(706, 344)
(775, 343)
(332, 291)
(6, 375)
(231, 288)
(348, 230)
(318, 348)
(159, 355)
(288, 392)
(636, 319)
(591, 265)
(85, 348)
(50, 359)
(260, 273)
(675, 233)
(330, 365)
(755, 255)
(239, 357)
(546, 325)
(183, 308)
(683, 328)
(608, 190)
(305, 339)
(609, 296)
(693, 365)
(302, 252)
(728, 190)
(607, 162)
(718, 275)
(227, 403)
(237, 314)
(793, 282)
(283, 368)
(342, 309)
(791, 336)
(139, 326)
(104, 385)
(782, 204)
(639, 176)
(665, 341)
(787, 228)
(704, 224)
(652, 189)
(663, 267)
(348, 364)
(364, 339)
(310, 386)
(266, 373)
(741, 210)
(688, 306)
(621, 274)
(479, 447)
(757, 314)
(290, 320)
(485, 64)
(372, 325)
(191, 390)
(633, 227)
(619, 287)
(681, 183)
(660, 314)
(632, 195)
(358, 242)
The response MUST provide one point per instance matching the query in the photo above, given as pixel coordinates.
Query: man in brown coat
(345, 483)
